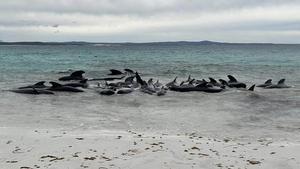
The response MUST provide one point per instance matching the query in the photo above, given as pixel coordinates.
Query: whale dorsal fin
(231, 78)
(223, 82)
(41, 83)
(269, 81)
(252, 88)
(115, 72)
(129, 71)
(212, 80)
(181, 83)
(281, 81)
(202, 84)
(54, 84)
(77, 73)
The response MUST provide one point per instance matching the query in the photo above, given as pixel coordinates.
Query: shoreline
(100, 149)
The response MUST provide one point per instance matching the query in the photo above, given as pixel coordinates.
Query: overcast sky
(276, 21)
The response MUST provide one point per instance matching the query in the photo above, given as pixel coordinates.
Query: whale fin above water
(37, 85)
(231, 78)
(129, 71)
(77, 73)
(223, 82)
(212, 80)
(41, 83)
(281, 82)
(55, 84)
(252, 88)
(269, 81)
(115, 72)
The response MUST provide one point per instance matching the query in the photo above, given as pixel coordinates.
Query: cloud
(156, 20)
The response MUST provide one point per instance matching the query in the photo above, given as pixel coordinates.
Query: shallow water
(236, 113)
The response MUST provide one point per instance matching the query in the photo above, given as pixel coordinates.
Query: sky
(273, 21)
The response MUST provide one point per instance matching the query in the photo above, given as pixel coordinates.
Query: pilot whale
(34, 91)
(59, 87)
(82, 83)
(77, 75)
(279, 85)
(267, 83)
(234, 83)
(40, 84)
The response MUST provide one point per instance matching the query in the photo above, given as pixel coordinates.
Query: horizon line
(146, 42)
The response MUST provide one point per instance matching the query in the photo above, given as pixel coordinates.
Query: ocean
(236, 113)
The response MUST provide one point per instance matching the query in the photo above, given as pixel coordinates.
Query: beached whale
(267, 83)
(77, 75)
(234, 83)
(213, 82)
(82, 83)
(34, 91)
(279, 85)
(107, 92)
(203, 87)
(59, 87)
(39, 85)
(172, 83)
(107, 78)
(125, 91)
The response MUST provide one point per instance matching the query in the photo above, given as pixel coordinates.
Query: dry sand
(22, 148)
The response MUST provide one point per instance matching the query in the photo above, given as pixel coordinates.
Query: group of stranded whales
(130, 81)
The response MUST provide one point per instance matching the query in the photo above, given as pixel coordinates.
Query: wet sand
(24, 148)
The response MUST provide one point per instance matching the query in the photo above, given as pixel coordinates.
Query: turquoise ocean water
(274, 113)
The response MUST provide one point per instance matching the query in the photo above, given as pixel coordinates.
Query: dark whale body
(59, 87)
(32, 91)
(267, 83)
(39, 85)
(77, 75)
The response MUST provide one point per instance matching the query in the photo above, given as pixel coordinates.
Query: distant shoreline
(135, 43)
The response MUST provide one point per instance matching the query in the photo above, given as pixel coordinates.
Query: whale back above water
(115, 72)
(279, 85)
(40, 84)
(59, 87)
(267, 83)
(33, 91)
(77, 75)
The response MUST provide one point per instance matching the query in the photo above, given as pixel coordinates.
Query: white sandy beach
(22, 148)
